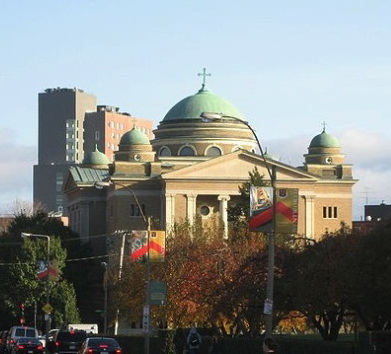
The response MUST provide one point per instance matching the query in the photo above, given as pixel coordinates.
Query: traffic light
(22, 319)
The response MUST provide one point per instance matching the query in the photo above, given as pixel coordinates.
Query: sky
(288, 66)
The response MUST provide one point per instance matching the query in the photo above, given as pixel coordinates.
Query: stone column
(309, 226)
(191, 207)
(223, 213)
(84, 221)
(169, 210)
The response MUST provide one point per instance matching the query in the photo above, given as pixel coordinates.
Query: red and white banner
(150, 244)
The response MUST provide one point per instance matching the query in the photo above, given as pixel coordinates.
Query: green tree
(370, 276)
(316, 282)
(19, 277)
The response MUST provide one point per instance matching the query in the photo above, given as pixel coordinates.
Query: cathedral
(192, 168)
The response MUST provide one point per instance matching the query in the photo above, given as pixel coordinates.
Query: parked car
(100, 345)
(16, 332)
(27, 345)
(66, 342)
(52, 333)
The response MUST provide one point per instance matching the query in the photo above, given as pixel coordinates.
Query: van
(16, 332)
(88, 327)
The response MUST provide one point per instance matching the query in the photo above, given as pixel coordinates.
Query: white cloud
(370, 154)
(16, 170)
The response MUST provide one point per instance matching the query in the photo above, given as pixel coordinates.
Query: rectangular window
(59, 181)
(135, 210)
(330, 212)
(97, 135)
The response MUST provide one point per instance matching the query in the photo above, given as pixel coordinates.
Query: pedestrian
(193, 341)
(216, 346)
(269, 345)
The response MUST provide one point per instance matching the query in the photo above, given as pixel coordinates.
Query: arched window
(187, 151)
(213, 151)
(165, 151)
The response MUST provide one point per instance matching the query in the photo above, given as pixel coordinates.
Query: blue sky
(287, 66)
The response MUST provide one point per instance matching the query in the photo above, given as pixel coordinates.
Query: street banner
(287, 210)
(144, 245)
(157, 245)
(42, 271)
(139, 244)
(261, 210)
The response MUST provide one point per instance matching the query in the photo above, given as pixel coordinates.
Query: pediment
(237, 165)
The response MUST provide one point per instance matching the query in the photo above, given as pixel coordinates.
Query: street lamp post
(210, 117)
(146, 313)
(47, 315)
(104, 265)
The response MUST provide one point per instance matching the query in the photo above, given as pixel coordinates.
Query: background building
(70, 125)
(105, 127)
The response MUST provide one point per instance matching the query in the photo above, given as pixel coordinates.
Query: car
(42, 339)
(52, 333)
(27, 345)
(16, 332)
(66, 342)
(100, 345)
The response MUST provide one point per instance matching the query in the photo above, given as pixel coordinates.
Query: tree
(370, 275)
(316, 283)
(19, 277)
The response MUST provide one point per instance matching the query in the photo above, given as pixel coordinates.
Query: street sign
(146, 319)
(157, 292)
(268, 307)
(47, 308)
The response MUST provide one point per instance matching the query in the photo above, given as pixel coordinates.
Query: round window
(205, 210)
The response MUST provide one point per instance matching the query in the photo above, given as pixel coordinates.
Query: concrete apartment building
(70, 125)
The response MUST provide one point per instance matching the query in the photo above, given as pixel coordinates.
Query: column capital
(224, 197)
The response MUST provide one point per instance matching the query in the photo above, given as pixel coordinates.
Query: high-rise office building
(70, 125)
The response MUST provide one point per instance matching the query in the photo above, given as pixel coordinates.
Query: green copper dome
(134, 137)
(96, 158)
(324, 140)
(203, 101)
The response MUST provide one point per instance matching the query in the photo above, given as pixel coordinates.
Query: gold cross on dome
(204, 74)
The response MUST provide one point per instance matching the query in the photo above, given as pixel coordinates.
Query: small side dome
(134, 137)
(96, 158)
(204, 100)
(324, 140)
